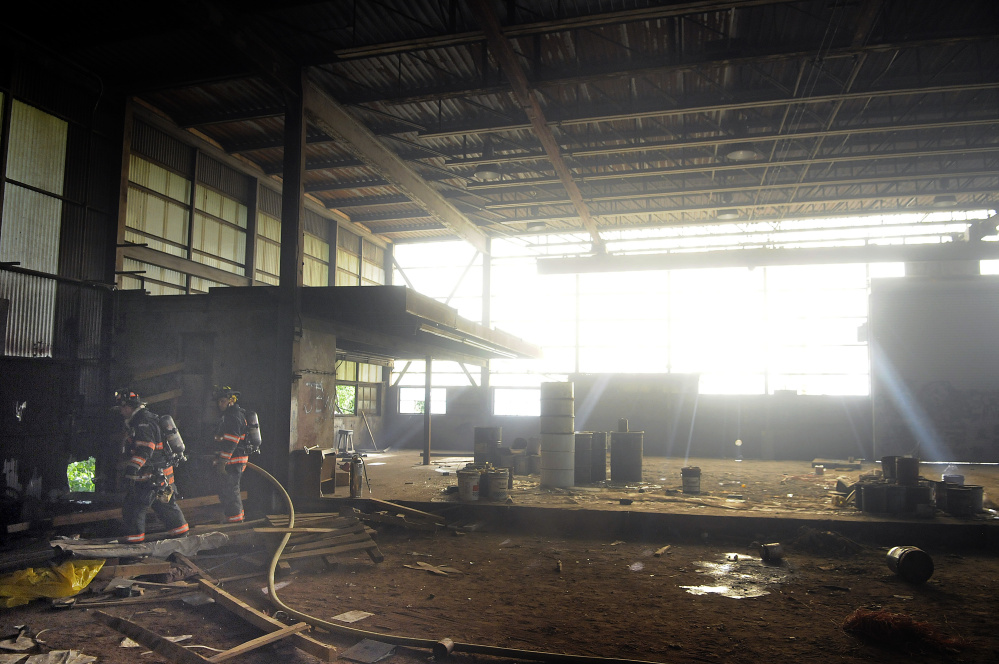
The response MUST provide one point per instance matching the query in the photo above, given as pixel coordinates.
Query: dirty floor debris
(609, 598)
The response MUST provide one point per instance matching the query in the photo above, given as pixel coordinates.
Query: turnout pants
(232, 504)
(139, 498)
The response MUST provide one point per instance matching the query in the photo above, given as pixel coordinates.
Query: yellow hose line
(409, 641)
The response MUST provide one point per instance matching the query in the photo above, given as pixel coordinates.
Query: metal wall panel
(32, 314)
(36, 153)
(30, 233)
(161, 148)
(220, 177)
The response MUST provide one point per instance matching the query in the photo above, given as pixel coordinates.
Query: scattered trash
(198, 599)
(895, 628)
(660, 551)
(912, 564)
(636, 567)
(824, 542)
(277, 586)
(558, 566)
(352, 616)
(19, 643)
(129, 643)
(368, 651)
(63, 580)
(625, 501)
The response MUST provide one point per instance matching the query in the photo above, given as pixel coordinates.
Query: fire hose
(440, 647)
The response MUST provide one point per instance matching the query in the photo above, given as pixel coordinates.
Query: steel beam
(325, 113)
(503, 52)
(753, 258)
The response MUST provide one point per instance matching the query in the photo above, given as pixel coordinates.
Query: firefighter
(148, 472)
(232, 451)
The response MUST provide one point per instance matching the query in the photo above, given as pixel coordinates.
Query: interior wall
(676, 424)
(934, 367)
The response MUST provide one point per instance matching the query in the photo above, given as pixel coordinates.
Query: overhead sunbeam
(690, 435)
(585, 408)
(916, 420)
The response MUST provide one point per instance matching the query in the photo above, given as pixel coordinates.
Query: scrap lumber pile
(321, 535)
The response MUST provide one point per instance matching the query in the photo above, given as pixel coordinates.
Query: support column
(487, 288)
(292, 246)
(427, 379)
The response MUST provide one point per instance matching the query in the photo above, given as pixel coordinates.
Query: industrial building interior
(578, 330)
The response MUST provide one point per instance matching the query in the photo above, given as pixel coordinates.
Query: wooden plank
(323, 651)
(158, 371)
(149, 599)
(260, 641)
(343, 548)
(181, 558)
(130, 571)
(395, 509)
(164, 396)
(169, 650)
(295, 530)
(108, 515)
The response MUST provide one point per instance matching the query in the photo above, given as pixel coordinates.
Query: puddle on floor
(738, 576)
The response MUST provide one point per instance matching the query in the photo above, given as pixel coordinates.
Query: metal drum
(558, 459)
(598, 457)
(626, 456)
(584, 444)
(487, 440)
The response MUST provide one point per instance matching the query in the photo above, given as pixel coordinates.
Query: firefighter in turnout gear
(232, 452)
(148, 472)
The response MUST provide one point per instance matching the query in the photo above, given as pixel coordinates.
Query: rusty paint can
(772, 553)
(911, 563)
(691, 479)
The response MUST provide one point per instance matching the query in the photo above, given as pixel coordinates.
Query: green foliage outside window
(346, 399)
(80, 475)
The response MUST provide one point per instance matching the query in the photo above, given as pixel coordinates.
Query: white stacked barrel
(558, 437)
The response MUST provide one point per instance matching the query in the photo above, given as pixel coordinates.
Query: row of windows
(158, 216)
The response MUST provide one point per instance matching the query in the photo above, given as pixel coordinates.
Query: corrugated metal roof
(643, 97)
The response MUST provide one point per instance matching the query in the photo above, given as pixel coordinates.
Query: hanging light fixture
(487, 172)
(727, 214)
(944, 200)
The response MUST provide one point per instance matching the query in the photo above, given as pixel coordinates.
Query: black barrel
(626, 456)
(907, 471)
(912, 564)
(581, 469)
(598, 457)
(888, 467)
(487, 442)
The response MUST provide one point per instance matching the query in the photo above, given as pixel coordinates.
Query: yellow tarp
(64, 580)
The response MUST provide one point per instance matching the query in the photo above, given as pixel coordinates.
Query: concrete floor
(728, 487)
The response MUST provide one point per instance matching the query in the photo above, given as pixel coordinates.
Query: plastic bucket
(499, 481)
(912, 564)
(691, 477)
(468, 485)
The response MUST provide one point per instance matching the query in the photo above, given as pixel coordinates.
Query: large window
(31, 225)
(741, 330)
(358, 386)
